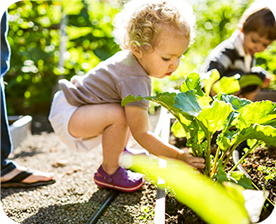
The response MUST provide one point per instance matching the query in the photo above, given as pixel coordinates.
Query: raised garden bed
(169, 210)
(261, 157)
(265, 94)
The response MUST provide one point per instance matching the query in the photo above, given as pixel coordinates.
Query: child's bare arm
(267, 81)
(139, 125)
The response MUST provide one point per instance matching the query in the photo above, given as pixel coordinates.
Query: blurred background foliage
(58, 39)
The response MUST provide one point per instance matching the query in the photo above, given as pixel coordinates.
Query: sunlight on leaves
(209, 79)
(227, 85)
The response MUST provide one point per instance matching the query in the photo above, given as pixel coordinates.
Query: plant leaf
(257, 112)
(74, 8)
(165, 99)
(192, 82)
(188, 104)
(242, 179)
(194, 130)
(226, 85)
(221, 175)
(226, 139)
(271, 123)
(213, 117)
(209, 79)
(258, 132)
(236, 102)
(235, 191)
(130, 99)
(247, 80)
(178, 130)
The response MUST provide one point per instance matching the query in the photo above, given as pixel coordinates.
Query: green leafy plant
(269, 172)
(199, 117)
(55, 39)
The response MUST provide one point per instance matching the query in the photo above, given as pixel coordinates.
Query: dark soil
(262, 156)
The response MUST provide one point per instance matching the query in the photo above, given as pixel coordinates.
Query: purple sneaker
(121, 180)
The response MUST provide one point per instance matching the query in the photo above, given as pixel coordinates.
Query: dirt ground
(74, 196)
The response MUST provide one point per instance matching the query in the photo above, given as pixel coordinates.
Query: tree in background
(54, 39)
(41, 52)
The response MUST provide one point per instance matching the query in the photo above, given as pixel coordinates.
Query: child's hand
(266, 82)
(191, 160)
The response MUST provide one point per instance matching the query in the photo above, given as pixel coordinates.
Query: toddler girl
(153, 35)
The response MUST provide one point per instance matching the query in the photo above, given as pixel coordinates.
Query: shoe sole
(26, 185)
(124, 189)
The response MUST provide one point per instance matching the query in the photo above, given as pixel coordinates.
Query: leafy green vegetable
(198, 118)
(227, 85)
(247, 80)
(209, 79)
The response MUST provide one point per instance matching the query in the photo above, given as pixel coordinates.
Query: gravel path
(74, 196)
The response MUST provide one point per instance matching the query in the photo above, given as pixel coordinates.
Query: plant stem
(230, 153)
(208, 159)
(225, 153)
(229, 122)
(215, 161)
(245, 155)
(208, 138)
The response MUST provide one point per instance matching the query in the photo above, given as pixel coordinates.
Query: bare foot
(35, 177)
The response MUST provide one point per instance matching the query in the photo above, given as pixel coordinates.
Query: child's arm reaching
(267, 81)
(138, 122)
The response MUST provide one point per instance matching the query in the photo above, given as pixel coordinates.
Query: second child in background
(236, 55)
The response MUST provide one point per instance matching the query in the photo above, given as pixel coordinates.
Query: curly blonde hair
(140, 22)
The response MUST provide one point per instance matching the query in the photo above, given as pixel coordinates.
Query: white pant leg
(60, 114)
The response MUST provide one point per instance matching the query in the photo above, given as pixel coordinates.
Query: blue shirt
(5, 47)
